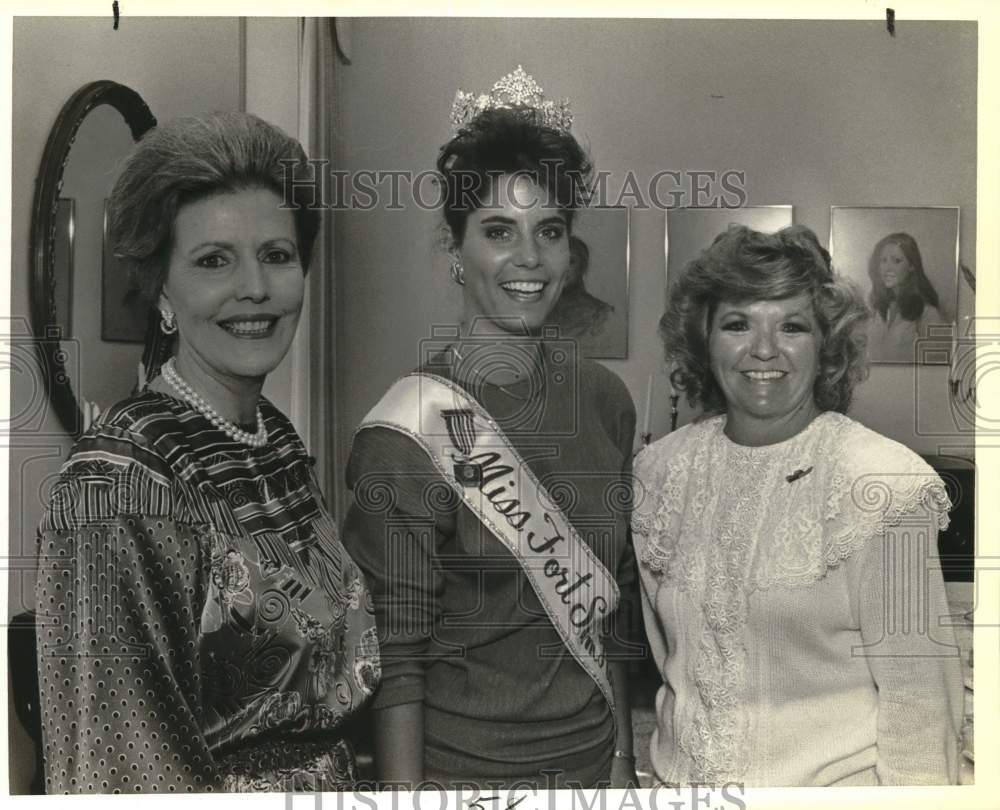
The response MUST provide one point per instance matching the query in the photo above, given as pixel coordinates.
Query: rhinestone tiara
(515, 91)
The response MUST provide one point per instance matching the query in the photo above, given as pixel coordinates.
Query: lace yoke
(720, 520)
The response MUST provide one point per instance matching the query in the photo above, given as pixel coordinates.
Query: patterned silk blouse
(200, 626)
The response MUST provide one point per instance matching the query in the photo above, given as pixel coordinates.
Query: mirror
(89, 340)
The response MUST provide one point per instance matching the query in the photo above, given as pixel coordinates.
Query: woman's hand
(623, 773)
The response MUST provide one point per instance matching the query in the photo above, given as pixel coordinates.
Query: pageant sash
(476, 459)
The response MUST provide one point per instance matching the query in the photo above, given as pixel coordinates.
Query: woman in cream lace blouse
(787, 553)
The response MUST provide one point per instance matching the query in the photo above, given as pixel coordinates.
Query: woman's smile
(235, 283)
(250, 327)
(527, 292)
(765, 376)
(893, 265)
(515, 257)
(765, 358)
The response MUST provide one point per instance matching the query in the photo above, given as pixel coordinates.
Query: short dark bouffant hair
(509, 141)
(190, 159)
(743, 265)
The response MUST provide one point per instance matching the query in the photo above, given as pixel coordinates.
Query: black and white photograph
(520, 411)
(906, 261)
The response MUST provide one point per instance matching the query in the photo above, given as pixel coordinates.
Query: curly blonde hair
(746, 265)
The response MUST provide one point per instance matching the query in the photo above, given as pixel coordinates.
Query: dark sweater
(460, 625)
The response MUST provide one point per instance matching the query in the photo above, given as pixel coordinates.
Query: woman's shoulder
(853, 445)
(672, 450)
(117, 467)
(604, 382)
(171, 428)
(878, 475)
(380, 455)
(606, 394)
(129, 432)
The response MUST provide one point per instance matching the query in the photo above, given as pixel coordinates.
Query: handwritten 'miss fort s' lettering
(584, 615)
(507, 506)
(487, 461)
(553, 570)
(581, 616)
(584, 618)
(547, 542)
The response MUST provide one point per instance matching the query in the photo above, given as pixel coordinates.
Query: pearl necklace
(237, 434)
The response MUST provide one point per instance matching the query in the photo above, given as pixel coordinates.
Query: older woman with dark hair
(491, 496)
(903, 299)
(786, 552)
(200, 625)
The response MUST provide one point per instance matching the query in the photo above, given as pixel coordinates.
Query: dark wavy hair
(745, 265)
(915, 291)
(509, 141)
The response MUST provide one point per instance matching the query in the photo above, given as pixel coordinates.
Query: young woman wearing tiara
(491, 498)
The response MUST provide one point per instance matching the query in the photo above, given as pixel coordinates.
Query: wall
(271, 92)
(816, 114)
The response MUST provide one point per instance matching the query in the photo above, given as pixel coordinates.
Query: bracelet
(620, 754)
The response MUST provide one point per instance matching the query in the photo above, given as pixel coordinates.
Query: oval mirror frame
(48, 184)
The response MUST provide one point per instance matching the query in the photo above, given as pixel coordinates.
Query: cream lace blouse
(795, 609)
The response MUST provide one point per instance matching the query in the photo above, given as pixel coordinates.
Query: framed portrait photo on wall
(905, 260)
(123, 319)
(593, 306)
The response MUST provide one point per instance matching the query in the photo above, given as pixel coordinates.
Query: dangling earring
(167, 323)
(458, 274)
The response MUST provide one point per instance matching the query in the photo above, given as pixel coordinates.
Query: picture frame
(122, 319)
(688, 231)
(593, 307)
(905, 259)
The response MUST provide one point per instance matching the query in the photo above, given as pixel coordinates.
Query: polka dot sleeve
(119, 605)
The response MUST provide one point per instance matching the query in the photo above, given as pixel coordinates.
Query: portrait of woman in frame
(906, 261)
